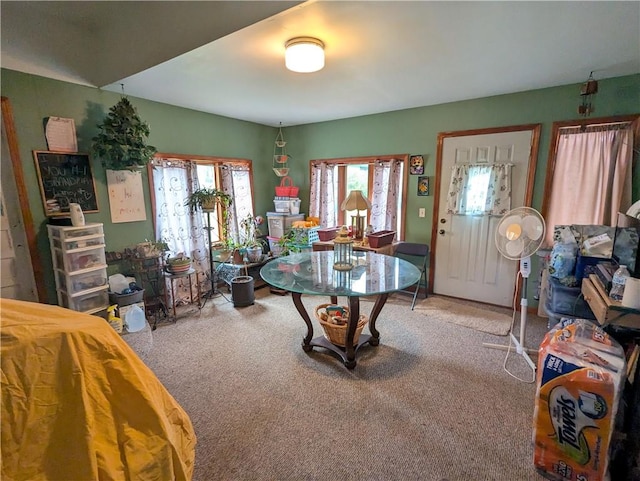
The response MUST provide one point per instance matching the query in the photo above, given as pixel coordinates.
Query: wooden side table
(172, 277)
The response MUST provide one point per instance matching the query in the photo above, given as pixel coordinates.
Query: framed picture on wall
(416, 165)
(423, 185)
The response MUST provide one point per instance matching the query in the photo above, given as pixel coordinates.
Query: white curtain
(479, 189)
(322, 201)
(387, 178)
(236, 182)
(181, 229)
(592, 177)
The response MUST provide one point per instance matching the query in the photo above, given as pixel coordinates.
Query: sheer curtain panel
(387, 178)
(322, 201)
(592, 177)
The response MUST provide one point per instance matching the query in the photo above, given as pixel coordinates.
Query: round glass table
(312, 273)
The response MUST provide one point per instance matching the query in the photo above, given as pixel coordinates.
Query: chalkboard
(65, 178)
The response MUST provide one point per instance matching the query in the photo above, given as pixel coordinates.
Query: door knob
(443, 221)
(441, 232)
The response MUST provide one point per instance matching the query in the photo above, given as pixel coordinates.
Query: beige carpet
(457, 312)
(430, 403)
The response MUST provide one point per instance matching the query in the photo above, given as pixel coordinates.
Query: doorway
(20, 263)
(464, 261)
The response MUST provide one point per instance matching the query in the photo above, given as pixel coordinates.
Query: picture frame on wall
(416, 165)
(423, 186)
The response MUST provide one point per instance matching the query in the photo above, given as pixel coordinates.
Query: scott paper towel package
(579, 383)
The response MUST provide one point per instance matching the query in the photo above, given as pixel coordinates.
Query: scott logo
(569, 422)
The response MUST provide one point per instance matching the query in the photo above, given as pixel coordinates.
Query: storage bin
(381, 238)
(90, 303)
(81, 282)
(280, 224)
(567, 300)
(282, 205)
(328, 233)
(126, 299)
(584, 261)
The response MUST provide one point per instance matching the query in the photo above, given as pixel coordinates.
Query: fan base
(519, 348)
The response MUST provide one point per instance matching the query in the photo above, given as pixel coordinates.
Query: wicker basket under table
(337, 333)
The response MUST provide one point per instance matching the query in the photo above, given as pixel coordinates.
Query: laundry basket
(337, 333)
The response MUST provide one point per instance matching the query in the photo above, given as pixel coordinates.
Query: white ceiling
(227, 58)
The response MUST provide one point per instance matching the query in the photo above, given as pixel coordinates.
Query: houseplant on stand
(213, 201)
(121, 143)
(210, 200)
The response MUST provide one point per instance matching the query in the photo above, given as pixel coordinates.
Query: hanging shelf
(280, 157)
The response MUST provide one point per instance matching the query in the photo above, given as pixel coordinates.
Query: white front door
(467, 263)
(16, 272)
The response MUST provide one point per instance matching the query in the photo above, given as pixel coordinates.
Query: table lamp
(356, 201)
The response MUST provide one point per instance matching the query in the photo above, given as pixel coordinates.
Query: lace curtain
(236, 182)
(479, 189)
(387, 178)
(322, 202)
(175, 224)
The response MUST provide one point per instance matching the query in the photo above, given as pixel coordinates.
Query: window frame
(341, 175)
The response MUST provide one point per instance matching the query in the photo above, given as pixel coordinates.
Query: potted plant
(155, 248)
(287, 244)
(250, 243)
(207, 198)
(121, 143)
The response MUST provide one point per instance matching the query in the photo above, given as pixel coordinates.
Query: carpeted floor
(429, 403)
(452, 310)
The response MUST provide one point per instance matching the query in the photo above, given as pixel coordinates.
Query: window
(483, 189)
(589, 173)
(381, 179)
(174, 177)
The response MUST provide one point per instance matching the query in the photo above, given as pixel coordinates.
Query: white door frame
(23, 197)
(528, 196)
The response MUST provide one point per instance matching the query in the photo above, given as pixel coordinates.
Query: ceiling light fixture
(304, 54)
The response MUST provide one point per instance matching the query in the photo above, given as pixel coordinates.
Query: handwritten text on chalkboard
(65, 179)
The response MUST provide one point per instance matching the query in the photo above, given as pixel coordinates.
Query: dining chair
(415, 252)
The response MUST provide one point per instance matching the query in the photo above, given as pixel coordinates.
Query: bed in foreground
(77, 403)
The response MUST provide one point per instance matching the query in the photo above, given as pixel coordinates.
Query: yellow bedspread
(78, 404)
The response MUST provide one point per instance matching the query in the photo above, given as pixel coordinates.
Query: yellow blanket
(78, 404)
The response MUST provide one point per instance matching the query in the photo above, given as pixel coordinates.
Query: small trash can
(242, 293)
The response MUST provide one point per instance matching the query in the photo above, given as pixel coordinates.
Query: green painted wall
(186, 131)
(415, 131)
(173, 130)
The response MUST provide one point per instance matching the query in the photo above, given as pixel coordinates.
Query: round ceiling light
(304, 54)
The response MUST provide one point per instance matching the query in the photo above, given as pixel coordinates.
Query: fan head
(520, 233)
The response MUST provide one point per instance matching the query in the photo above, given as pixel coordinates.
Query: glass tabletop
(313, 273)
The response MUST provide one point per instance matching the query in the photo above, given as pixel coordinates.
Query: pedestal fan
(519, 235)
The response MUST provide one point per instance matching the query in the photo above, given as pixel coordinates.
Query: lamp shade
(355, 201)
(304, 54)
